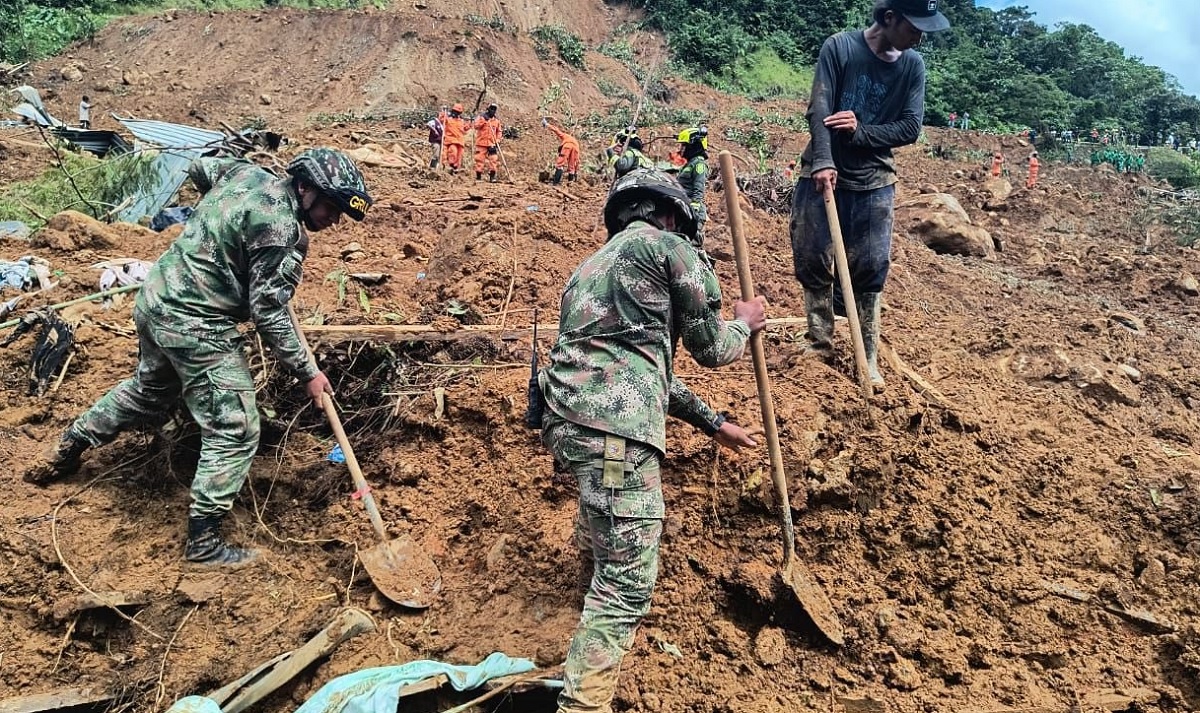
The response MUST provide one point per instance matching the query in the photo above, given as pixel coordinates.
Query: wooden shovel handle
(362, 490)
(843, 271)
(761, 378)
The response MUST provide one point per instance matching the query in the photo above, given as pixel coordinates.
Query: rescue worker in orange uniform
(454, 137)
(488, 131)
(568, 153)
(997, 162)
(1034, 165)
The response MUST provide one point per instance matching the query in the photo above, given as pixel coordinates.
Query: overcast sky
(1162, 32)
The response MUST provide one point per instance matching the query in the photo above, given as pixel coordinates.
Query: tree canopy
(1003, 66)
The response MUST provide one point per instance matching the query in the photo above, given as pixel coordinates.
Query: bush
(103, 184)
(763, 74)
(1173, 167)
(570, 48)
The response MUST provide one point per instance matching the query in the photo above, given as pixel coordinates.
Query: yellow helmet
(696, 135)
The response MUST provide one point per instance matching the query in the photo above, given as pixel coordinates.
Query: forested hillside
(1003, 67)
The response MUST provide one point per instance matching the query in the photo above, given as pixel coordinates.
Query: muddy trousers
(452, 154)
(487, 159)
(619, 530)
(866, 222)
(218, 390)
(567, 160)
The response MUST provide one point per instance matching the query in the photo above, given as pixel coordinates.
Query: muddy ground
(1041, 451)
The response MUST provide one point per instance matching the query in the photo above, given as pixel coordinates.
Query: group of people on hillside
(1034, 163)
(609, 386)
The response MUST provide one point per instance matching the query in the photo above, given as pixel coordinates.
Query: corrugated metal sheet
(171, 167)
(101, 143)
(173, 136)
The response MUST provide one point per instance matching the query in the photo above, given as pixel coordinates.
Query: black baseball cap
(923, 14)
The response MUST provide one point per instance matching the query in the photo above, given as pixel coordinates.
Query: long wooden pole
(843, 271)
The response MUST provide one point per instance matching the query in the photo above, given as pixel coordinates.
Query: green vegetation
(495, 22)
(102, 185)
(570, 48)
(1003, 67)
(1181, 171)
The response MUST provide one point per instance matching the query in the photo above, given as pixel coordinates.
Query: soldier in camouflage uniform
(693, 177)
(609, 388)
(239, 259)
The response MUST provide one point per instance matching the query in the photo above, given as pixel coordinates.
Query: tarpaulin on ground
(377, 690)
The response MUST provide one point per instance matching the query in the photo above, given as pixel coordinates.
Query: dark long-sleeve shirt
(887, 97)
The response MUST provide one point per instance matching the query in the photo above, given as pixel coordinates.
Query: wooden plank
(55, 700)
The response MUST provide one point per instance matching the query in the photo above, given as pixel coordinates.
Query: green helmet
(647, 184)
(335, 176)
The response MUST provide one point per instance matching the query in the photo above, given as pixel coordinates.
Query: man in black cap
(868, 97)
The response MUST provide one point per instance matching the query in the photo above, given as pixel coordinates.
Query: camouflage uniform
(610, 382)
(237, 260)
(694, 179)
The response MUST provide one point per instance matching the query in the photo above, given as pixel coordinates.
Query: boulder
(999, 188)
(940, 221)
(1187, 284)
(72, 72)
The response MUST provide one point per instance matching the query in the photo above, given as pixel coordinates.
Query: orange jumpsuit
(487, 135)
(997, 162)
(454, 139)
(568, 150)
(1033, 172)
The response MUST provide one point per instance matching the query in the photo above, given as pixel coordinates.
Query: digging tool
(794, 573)
(843, 271)
(266, 678)
(401, 571)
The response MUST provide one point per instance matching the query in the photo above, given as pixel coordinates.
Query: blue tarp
(376, 690)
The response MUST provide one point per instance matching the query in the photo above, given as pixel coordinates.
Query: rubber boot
(491, 176)
(570, 178)
(557, 176)
(478, 175)
(818, 308)
(206, 549)
(58, 461)
(868, 304)
(433, 163)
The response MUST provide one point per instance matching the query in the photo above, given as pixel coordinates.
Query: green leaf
(364, 301)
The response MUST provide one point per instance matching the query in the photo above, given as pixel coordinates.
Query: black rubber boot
(57, 462)
(818, 308)
(206, 549)
(491, 176)
(868, 304)
(433, 163)
(478, 175)
(557, 176)
(570, 178)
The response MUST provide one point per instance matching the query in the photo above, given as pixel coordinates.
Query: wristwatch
(711, 429)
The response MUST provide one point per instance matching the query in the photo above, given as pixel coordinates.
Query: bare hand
(734, 437)
(824, 179)
(753, 313)
(842, 121)
(317, 387)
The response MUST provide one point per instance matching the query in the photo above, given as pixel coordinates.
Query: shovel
(401, 571)
(843, 270)
(794, 573)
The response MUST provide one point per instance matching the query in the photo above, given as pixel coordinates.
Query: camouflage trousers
(214, 379)
(619, 530)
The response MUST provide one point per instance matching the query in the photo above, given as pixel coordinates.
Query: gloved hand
(493, 150)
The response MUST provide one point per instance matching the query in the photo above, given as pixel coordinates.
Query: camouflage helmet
(335, 176)
(648, 183)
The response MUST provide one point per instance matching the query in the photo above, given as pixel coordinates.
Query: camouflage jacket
(237, 260)
(623, 313)
(694, 179)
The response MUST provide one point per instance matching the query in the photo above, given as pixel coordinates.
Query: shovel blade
(402, 572)
(814, 601)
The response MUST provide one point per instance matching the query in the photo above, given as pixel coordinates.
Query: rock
(1128, 321)
(1000, 188)
(946, 235)
(942, 202)
(72, 73)
(134, 77)
(1187, 285)
(1133, 374)
(1154, 574)
(770, 646)
(352, 252)
(650, 701)
(197, 589)
(928, 188)
(264, 99)
(903, 675)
